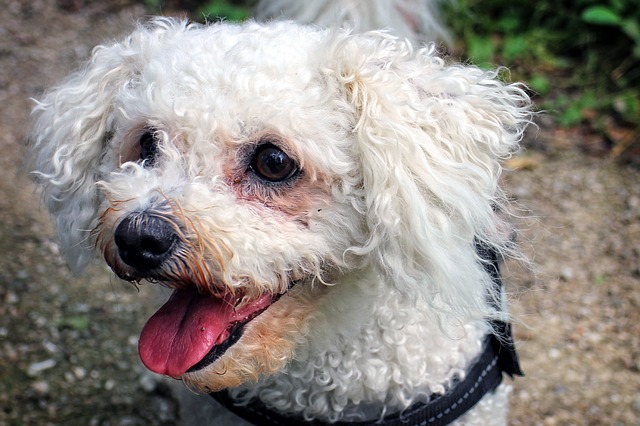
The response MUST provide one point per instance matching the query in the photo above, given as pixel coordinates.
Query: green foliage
(570, 112)
(206, 10)
(77, 322)
(580, 55)
(224, 9)
(600, 15)
(154, 5)
(612, 15)
(540, 83)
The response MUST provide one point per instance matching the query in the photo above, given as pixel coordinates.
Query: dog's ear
(431, 139)
(71, 128)
(70, 131)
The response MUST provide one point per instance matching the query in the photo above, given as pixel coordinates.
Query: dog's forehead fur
(214, 87)
(230, 70)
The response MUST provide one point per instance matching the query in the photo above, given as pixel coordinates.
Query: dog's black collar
(483, 376)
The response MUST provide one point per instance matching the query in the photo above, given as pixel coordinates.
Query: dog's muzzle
(145, 241)
(200, 320)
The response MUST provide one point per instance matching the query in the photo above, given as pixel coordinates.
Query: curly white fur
(400, 155)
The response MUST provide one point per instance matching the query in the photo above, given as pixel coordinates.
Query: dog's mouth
(191, 330)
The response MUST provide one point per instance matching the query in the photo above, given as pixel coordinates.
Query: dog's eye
(148, 147)
(272, 164)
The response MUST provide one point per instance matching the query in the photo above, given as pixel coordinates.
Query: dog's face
(233, 186)
(247, 166)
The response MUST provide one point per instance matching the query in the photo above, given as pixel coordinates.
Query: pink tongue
(183, 331)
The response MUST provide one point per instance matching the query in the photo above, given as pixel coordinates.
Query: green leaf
(618, 5)
(78, 322)
(514, 47)
(481, 51)
(570, 116)
(600, 279)
(600, 15)
(540, 84)
(631, 27)
(226, 10)
(508, 24)
(628, 105)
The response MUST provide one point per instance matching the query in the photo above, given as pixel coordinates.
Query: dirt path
(68, 344)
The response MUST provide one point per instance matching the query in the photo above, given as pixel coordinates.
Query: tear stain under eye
(296, 199)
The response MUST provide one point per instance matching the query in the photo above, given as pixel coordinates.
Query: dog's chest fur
(369, 351)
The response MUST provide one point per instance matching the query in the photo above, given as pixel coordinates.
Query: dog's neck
(370, 349)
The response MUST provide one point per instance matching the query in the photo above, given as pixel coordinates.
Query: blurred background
(68, 343)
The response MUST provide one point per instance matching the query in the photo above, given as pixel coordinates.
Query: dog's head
(254, 169)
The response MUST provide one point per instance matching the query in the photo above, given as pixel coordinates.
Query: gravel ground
(68, 344)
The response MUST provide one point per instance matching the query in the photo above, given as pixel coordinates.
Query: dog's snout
(144, 241)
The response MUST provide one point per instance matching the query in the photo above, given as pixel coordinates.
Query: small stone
(164, 411)
(521, 192)
(593, 337)
(41, 387)
(635, 405)
(566, 274)
(38, 367)
(82, 308)
(79, 372)
(560, 389)
(148, 383)
(109, 385)
(524, 395)
(10, 352)
(11, 298)
(53, 247)
(127, 421)
(50, 347)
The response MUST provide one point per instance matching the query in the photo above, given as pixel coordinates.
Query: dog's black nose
(144, 241)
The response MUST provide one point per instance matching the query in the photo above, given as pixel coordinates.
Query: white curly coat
(399, 154)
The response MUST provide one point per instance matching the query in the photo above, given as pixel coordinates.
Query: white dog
(325, 206)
